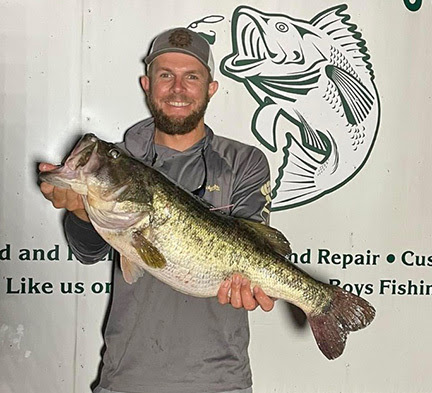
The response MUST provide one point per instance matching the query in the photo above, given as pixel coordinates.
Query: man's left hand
(237, 292)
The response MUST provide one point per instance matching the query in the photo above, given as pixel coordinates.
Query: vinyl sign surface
(338, 97)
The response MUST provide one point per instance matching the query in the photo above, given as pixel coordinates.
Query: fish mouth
(84, 154)
(254, 44)
(252, 49)
(263, 42)
(82, 161)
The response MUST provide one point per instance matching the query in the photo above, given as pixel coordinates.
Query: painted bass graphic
(316, 74)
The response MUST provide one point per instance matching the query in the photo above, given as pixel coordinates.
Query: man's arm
(251, 200)
(84, 241)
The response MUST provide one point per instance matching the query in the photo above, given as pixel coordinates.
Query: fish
(318, 105)
(160, 228)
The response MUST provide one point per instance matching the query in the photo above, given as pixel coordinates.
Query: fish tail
(345, 313)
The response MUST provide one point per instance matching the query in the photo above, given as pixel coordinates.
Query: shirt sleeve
(251, 190)
(85, 243)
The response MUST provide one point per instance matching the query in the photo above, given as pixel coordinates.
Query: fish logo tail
(344, 314)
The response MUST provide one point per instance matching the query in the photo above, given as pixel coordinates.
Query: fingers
(247, 297)
(47, 190)
(237, 292)
(59, 198)
(67, 199)
(74, 201)
(236, 300)
(265, 302)
(62, 198)
(45, 166)
(223, 294)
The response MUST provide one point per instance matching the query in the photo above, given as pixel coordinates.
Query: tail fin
(345, 313)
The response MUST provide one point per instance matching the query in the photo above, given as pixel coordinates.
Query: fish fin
(345, 313)
(131, 271)
(147, 251)
(356, 99)
(314, 139)
(335, 23)
(277, 240)
(290, 88)
(302, 177)
(264, 123)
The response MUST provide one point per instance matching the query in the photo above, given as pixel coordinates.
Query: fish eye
(114, 153)
(282, 27)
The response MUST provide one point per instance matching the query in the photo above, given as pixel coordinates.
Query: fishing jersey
(159, 340)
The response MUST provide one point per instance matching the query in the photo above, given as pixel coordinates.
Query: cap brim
(150, 58)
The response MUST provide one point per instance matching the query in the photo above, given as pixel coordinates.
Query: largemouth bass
(158, 227)
(317, 75)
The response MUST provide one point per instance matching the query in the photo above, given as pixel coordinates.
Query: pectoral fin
(147, 251)
(356, 99)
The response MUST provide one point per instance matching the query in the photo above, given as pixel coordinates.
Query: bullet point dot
(391, 258)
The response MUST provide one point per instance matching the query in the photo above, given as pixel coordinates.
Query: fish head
(96, 169)
(266, 44)
(75, 170)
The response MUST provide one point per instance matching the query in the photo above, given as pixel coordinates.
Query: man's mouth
(178, 103)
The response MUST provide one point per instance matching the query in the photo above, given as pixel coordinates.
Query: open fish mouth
(252, 48)
(254, 44)
(84, 154)
(82, 161)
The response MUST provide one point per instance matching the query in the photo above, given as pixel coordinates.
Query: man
(159, 340)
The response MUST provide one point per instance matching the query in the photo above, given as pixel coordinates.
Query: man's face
(178, 91)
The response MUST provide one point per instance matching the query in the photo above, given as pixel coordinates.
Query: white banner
(338, 97)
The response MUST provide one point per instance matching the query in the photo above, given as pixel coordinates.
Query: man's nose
(178, 85)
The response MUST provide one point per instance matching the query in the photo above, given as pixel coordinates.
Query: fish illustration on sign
(316, 74)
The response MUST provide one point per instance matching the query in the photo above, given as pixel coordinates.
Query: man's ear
(212, 88)
(145, 83)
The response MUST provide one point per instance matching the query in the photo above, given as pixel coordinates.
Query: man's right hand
(62, 198)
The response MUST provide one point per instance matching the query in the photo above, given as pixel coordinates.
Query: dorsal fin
(275, 238)
(334, 22)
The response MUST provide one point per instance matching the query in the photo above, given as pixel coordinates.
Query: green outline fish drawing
(316, 74)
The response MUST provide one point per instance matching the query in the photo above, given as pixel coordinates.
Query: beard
(172, 125)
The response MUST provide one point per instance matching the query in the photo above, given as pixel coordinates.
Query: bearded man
(158, 340)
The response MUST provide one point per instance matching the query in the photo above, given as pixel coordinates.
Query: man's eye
(165, 75)
(193, 77)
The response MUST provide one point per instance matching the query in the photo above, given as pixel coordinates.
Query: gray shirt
(159, 340)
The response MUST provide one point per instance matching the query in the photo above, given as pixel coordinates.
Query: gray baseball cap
(185, 41)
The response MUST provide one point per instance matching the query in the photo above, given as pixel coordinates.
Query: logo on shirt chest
(212, 188)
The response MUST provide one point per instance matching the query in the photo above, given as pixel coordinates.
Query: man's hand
(238, 293)
(62, 198)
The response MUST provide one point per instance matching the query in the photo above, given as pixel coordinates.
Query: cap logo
(180, 38)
